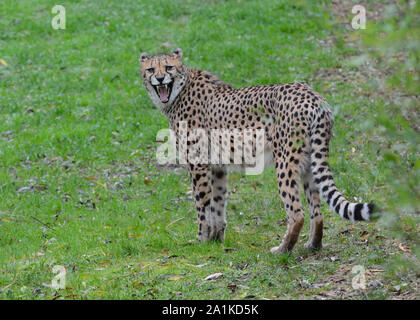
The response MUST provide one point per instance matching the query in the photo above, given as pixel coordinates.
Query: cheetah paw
(278, 250)
(312, 246)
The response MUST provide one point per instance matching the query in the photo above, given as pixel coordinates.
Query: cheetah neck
(195, 79)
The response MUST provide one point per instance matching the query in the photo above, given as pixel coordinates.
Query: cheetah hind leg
(288, 179)
(313, 199)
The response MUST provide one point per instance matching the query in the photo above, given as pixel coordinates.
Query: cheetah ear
(177, 53)
(143, 57)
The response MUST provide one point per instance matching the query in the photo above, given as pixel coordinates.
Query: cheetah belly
(263, 160)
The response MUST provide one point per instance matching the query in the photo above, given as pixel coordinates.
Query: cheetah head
(163, 76)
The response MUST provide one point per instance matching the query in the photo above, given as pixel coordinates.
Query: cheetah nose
(160, 79)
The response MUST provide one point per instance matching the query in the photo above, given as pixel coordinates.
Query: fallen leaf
(100, 184)
(404, 247)
(376, 270)
(25, 189)
(214, 276)
(198, 265)
(365, 235)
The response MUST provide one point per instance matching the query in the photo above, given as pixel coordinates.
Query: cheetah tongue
(163, 93)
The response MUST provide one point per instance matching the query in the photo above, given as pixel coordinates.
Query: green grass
(78, 182)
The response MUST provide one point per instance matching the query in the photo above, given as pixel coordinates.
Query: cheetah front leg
(218, 203)
(316, 226)
(200, 178)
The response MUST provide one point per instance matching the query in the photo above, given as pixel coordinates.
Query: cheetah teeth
(163, 92)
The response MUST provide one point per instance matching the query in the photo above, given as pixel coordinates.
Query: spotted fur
(297, 123)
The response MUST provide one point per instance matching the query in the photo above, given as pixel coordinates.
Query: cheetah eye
(169, 68)
(151, 70)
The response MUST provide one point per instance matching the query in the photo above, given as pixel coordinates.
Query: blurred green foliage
(393, 46)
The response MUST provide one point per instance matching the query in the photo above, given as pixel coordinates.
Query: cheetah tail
(324, 182)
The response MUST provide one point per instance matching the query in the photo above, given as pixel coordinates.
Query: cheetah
(297, 126)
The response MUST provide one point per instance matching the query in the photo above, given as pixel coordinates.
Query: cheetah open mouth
(164, 91)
